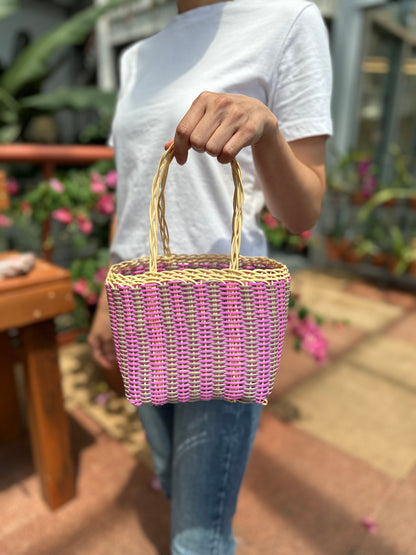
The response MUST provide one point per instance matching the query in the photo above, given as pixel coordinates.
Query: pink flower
(111, 179)
(310, 334)
(84, 224)
(105, 204)
(5, 221)
(369, 186)
(363, 167)
(271, 222)
(306, 234)
(92, 298)
(369, 524)
(57, 185)
(26, 207)
(100, 275)
(62, 215)
(12, 186)
(102, 398)
(97, 185)
(81, 287)
(315, 345)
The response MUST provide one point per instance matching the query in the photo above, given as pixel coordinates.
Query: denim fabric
(200, 452)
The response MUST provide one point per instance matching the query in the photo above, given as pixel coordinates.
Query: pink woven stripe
(180, 342)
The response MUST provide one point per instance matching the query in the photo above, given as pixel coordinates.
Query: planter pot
(336, 248)
(379, 259)
(358, 199)
(391, 260)
(352, 256)
(411, 269)
(390, 203)
(412, 203)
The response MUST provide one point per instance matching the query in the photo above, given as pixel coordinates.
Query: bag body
(197, 327)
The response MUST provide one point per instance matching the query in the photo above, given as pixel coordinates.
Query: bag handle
(157, 212)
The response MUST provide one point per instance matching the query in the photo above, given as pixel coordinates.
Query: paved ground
(333, 470)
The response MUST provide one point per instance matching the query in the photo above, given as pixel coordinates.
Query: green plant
(36, 62)
(71, 214)
(354, 173)
(279, 237)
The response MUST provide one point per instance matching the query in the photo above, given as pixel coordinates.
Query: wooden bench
(29, 303)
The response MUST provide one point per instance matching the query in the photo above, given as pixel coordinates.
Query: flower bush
(70, 213)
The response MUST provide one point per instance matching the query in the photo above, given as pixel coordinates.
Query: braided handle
(157, 212)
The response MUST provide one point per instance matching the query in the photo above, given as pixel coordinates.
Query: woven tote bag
(197, 327)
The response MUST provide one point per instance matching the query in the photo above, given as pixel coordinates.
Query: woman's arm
(100, 337)
(292, 174)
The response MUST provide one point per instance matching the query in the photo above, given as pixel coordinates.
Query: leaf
(77, 99)
(7, 7)
(33, 62)
(9, 133)
(381, 197)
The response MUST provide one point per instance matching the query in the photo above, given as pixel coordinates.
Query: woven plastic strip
(197, 327)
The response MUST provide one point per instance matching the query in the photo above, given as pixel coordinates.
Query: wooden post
(4, 195)
(47, 418)
(11, 425)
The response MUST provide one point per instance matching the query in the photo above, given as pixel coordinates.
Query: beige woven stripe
(265, 270)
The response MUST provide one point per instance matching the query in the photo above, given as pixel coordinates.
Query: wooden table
(30, 303)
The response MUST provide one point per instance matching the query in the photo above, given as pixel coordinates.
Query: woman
(245, 78)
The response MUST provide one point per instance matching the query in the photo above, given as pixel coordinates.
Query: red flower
(270, 221)
(97, 185)
(56, 185)
(111, 179)
(26, 207)
(100, 275)
(105, 204)
(12, 186)
(84, 224)
(306, 234)
(5, 221)
(62, 215)
(81, 287)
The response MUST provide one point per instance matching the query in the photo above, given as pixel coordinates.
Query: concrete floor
(333, 470)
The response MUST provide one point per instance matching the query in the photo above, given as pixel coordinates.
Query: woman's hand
(223, 124)
(100, 337)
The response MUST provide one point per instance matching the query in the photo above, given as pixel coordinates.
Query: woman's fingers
(220, 124)
(169, 144)
(186, 127)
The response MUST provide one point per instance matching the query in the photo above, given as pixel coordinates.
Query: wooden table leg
(11, 425)
(48, 423)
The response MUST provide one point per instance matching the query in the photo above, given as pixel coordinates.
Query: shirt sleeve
(301, 93)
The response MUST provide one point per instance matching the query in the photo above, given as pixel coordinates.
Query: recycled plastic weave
(197, 327)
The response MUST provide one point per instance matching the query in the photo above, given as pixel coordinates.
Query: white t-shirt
(273, 50)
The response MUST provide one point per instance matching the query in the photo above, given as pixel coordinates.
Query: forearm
(102, 300)
(293, 191)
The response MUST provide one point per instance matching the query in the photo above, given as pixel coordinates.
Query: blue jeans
(200, 452)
